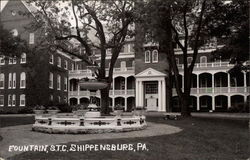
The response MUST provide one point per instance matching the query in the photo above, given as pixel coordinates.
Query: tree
(110, 21)
(233, 27)
(11, 46)
(177, 21)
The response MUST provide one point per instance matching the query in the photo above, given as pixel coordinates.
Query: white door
(152, 104)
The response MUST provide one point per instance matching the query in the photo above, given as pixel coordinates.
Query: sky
(3, 3)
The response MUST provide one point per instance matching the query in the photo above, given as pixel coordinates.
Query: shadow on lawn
(201, 139)
(14, 121)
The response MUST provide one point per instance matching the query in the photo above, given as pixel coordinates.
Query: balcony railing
(129, 92)
(213, 65)
(87, 73)
(217, 90)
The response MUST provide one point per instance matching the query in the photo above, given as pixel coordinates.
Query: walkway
(22, 135)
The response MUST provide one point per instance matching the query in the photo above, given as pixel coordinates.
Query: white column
(113, 83)
(198, 103)
(136, 93)
(141, 94)
(197, 83)
(126, 104)
(245, 83)
(113, 102)
(229, 101)
(213, 103)
(78, 100)
(228, 82)
(163, 95)
(159, 96)
(126, 85)
(213, 83)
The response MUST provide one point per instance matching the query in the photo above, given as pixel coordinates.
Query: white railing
(88, 73)
(213, 65)
(217, 90)
(111, 92)
(130, 92)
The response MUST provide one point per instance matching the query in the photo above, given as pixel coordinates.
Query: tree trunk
(185, 106)
(105, 101)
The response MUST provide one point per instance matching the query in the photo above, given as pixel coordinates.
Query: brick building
(34, 78)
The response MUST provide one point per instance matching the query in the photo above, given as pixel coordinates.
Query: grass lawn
(201, 139)
(14, 121)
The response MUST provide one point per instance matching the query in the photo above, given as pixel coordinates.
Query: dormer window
(147, 57)
(155, 56)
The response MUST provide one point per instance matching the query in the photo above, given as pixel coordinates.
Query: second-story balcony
(128, 92)
(88, 73)
(217, 90)
(211, 66)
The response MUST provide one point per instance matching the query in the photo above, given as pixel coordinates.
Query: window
(65, 84)
(65, 99)
(23, 80)
(189, 60)
(14, 32)
(147, 57)
(2, 61)
(132, 48)
(151, 88)
(14, 80)
(14, 60)
(203, 60)
(58, 82)
(155, 56)
(177, 61)
(51, 97)
(65, 64)
(123, 65)
(1, 100)
(23, 58)
(51, 59)
(13, 12)
(1, 81)
(9, 100)
(59, 61)
(51, 80)
(32, 38)
(10, 60)
(10, 80)
(22, 100)
(14, 100)
(59, 99)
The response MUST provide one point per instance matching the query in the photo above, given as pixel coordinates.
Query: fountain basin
(85, 125)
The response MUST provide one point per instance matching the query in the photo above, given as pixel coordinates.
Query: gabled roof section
(28, 6)
(150, 72)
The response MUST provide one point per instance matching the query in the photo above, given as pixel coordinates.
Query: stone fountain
(92, 121)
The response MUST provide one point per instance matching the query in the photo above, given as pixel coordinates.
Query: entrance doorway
(151, 95)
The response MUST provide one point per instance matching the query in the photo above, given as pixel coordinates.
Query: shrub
(26, 110)
(65, 108)
(240, 108)
(37, 107)
(52, 108)
(119, 107)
